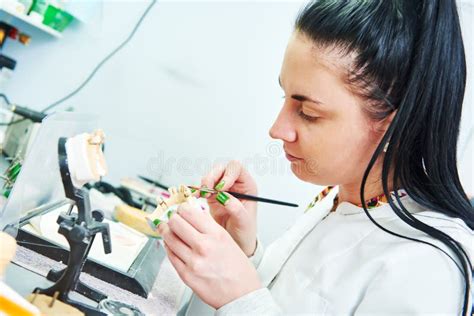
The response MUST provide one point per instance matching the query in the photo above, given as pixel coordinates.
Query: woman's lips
(291, 158)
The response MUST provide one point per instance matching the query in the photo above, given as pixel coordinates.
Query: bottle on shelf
(28, 4)
(38, 10)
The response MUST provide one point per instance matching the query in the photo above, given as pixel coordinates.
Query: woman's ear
(380, 128)
(382, 125)
(388, 120)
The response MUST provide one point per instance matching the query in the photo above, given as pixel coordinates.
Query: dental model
(147, 222)
(170, 205)
(85, 157)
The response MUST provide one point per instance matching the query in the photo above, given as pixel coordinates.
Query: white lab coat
(340, 263)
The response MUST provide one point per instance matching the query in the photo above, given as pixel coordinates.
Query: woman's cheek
(311, 167)
(308, 170)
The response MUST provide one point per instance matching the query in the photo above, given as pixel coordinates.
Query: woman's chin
(300, 171)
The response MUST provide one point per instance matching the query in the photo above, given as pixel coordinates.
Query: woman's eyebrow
(300, 97)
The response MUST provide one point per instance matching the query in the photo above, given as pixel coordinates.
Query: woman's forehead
(318, 73)
(305, 58)
(304, 69)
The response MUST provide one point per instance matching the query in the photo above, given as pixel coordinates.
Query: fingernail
(203, 194)
(169, 214)
(220, 185)
(222, 198)
(156, 222)
(193, 190)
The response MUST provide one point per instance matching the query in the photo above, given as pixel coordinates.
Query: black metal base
(81, 288)
(86, 309)
(139, 280)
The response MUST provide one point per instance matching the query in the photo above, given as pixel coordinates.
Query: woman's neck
(351, 192)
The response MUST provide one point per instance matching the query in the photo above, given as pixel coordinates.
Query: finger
(232, 206)
(224, 178)
(212, 178)
(173, 242)
(195, 192)
(177, 263)
(220, 217)
(231, 175)
(184, 230)
(199, 219)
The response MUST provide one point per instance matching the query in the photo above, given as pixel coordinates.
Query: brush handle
(235, 194)
(260, 199)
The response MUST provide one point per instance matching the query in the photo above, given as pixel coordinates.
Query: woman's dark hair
(409, 58)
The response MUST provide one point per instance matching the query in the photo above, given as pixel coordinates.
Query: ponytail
(410, 59)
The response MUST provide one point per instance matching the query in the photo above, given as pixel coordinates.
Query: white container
(5, 75)
(27, 5)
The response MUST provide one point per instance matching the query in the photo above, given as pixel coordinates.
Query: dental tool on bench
(235, 194)
(244, 196)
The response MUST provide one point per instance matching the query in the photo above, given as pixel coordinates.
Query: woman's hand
(206, 257)
(238, 218)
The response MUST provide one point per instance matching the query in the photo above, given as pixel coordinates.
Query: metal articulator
(80, 230)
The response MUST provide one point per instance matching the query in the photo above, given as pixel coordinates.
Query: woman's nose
(283, 128)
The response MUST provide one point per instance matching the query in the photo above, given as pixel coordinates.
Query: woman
(373, 96)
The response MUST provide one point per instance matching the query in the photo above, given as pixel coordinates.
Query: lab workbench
(166, 298)
(28, 271)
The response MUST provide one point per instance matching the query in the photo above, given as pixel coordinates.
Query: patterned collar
(372, 203)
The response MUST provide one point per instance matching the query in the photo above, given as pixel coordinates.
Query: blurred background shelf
(28, 20)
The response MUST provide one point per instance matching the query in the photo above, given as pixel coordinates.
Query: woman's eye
(306, 117)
